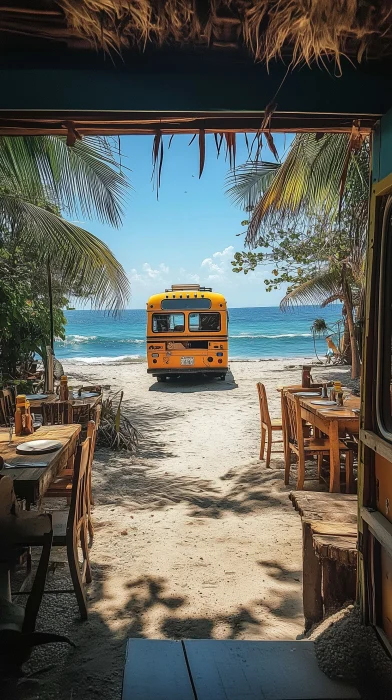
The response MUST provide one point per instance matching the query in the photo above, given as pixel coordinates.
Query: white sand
(194, 536)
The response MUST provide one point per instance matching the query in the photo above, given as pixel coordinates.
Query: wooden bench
(209, 669)
(329, 532)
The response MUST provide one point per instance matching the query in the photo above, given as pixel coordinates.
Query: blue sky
(189, 233)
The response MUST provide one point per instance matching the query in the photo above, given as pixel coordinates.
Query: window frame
(168, 313)
(208, 313)
(384, 327)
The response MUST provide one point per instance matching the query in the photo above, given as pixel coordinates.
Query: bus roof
(218, 301)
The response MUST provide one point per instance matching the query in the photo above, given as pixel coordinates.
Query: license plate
(187, 360)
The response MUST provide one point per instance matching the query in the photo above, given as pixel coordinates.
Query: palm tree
(312, 178)
(41, 176)
(322, 178)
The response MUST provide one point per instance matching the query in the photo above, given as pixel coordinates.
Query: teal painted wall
(382, 148)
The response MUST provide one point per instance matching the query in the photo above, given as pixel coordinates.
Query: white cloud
(153, 274)
(148, 274)
(219, 263)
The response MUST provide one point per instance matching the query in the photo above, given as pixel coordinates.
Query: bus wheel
(161, 378)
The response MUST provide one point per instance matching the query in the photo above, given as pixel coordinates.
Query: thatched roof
(298, 30)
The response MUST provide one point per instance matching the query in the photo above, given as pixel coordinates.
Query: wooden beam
(377, 444)
(380, 527)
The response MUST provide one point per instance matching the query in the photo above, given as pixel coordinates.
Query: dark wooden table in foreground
(209, 669)
(30, 483)
(329, 535)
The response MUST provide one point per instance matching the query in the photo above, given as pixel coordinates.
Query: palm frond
(248, 182)
(315, 291)
(308, 182)
(84, 260)
(331, 299)
(84, 179)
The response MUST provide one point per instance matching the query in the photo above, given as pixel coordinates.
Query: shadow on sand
(194, 383)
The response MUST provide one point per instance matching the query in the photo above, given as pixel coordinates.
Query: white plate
(38, 447)
(307, 393)
(36, 397)
(324, 403)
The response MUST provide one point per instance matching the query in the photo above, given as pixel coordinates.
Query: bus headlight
(155, 354)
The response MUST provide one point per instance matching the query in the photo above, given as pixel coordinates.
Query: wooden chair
(19, 531)
(57, 413)
(268, 425)
(62, 484)
(7, 406)
(96, 415)
(82, 414)
(70, 527)
(304, 447)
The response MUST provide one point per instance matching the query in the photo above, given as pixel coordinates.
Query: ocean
(257, 332)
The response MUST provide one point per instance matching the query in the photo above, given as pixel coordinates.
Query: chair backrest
(78, 507)
(294, 420)
(7, 406)
(97, 415)
(81, 413)
(264, 412)
(92, 434)
(57, 413)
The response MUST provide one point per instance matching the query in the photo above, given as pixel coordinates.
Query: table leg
(334, 457)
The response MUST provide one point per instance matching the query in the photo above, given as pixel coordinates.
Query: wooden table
(329, 532)
(53, 398)
(335, 424)
(209, 669)
(31, 483)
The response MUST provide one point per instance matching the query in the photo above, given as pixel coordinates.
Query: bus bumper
(187, 370)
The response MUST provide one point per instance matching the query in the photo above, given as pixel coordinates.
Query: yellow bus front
(187, 333)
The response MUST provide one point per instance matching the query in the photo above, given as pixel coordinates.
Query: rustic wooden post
(312, 599)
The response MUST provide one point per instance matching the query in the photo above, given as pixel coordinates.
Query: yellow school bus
(187, 329)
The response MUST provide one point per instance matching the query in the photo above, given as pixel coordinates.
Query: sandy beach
(194, 537)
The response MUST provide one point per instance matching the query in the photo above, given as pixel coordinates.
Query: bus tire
(161, 378)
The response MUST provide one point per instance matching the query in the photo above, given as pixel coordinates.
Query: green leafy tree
(24, 310)
(42, 178)
(308, 222)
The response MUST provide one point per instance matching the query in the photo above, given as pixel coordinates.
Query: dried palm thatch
(116, 430)
(310, 29)
(314, 28)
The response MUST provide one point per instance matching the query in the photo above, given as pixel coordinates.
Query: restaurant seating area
(320, 427)
(48, 462)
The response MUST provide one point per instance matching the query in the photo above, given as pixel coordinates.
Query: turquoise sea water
(261, 332)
